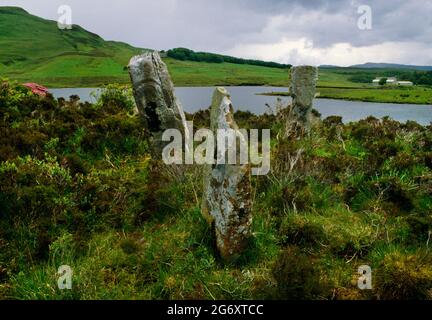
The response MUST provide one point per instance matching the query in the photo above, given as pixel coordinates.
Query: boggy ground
(78, 188)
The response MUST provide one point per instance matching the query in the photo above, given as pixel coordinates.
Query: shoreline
(394, 100)
(321, 96)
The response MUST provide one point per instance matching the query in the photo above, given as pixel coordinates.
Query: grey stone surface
(302, 89)
(154, 95)
(227, 190)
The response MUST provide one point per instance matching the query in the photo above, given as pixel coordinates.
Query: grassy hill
(36, 50)
(372, 65)
(189, 73)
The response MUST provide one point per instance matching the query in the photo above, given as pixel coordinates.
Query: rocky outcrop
(227, 190)
(302, 89)
(155, 97)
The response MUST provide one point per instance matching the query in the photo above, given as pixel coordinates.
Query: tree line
(190, 55)
(416, 77)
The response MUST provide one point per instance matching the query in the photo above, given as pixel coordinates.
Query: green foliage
(69, 57)
(366, 76)
(297, 276)
(55, 180)
(403, 274)
(390, 94)
(79, 58)
(116, 96)
(382, 81)
(78, 187)
(187, 54)
(194, 73)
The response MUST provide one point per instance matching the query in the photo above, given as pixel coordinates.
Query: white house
(390, 80)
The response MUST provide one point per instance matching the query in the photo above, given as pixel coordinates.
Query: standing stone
(227, 190)
(303, 85)
(155, 97)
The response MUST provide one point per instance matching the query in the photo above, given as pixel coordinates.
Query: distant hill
(34, 46)
(373, 65)
(328, 66)
(33, 49)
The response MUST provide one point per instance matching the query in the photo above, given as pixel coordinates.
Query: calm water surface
(246, 98)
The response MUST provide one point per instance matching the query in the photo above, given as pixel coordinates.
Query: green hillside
(189, 73)
(34, 49)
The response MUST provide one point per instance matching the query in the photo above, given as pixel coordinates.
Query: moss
(129, 246)
(404, 275)
(297, 276)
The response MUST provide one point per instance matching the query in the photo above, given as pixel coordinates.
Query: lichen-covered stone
(302, 89)
(227, 189)
(155, 97)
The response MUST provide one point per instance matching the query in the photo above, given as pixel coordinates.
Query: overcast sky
(288, 31)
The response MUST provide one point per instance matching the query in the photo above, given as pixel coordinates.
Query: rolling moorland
(35, 50)
(78, 187)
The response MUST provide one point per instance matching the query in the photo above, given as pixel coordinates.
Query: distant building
(392, 81)
(405, 83)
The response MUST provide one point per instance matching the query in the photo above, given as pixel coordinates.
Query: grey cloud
(219, 26)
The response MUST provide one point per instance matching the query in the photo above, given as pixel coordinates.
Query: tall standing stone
(227, 190)
(155, 97)
(302, 89)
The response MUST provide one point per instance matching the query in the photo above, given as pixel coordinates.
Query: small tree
(382, 81)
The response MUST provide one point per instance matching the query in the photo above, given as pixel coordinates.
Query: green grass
(335, 83)
(331, 77)
(408, 95)
(187, 73)
(37, 51)
(79, 187)
(415, 95)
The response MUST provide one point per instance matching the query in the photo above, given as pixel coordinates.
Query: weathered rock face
(303, 85)
(227, 189)
(154, 96)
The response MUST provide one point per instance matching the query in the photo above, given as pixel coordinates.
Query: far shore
(416, 96)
